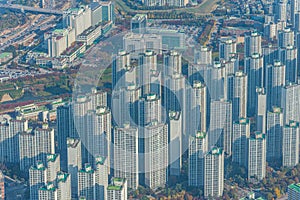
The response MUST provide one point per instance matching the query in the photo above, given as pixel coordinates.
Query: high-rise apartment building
(255, 73)
(220, 129)
(197, 150)
(74, 163)
(37, 178)
(237, 94)
(156, 154)
(275, 123)
(253, 44)
(53, 166)
(35, 145)
(257, 156)
(288, 56)
(227, 47)
(138, 23)
(203, 56)
(117, 190)
(78, 18)
(9, 138)
(286, 38)
(176, 146)
(261, 110)
(275, 80)
(290, 144)
(241, 133)
(126, 156)
(290, 101)
(214, 173)
(64, 185)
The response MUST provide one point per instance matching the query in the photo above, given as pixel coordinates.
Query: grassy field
(205, 8)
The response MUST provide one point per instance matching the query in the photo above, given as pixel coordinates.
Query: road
(204, 8)
(31, 9)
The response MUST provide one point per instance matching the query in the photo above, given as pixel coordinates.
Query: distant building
(86, 182)
(288, 56)
(286, 38)
(227, 47)
(139, 43)
(253, 44)
(197, 108)
(171, 39)
(117, 190)
(171, 3)
(107, 11)
(203, 56)
(59, 40)
(96, 13)
(78, 19)
(139, 23)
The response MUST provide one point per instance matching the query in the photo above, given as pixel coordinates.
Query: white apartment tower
(126, 157)
(197, 150)
(214, 173)
(156, 154)
(74, 163)
(37, 178)
(241, 133)
(117, 190)
(253, 44)
(257, 156)
(290, 144)
(275, 124)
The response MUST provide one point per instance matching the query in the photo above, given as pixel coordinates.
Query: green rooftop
(200, 135)
(5, 54)
(62, 177)
(114, 187)
(216, 151)
(100, 160)
(59, 31)
(295, 187)
(51, 157)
